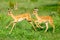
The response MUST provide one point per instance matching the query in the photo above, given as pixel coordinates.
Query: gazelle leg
(53, 27)
(9, 24)
(39, 25)
(33, 26)
(46, 27)
(36, 25)
(12, 28)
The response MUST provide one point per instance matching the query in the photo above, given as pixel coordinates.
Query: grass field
(23, 30)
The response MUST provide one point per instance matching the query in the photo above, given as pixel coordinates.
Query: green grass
(23, 30)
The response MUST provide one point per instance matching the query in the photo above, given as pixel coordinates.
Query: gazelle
(44, 19)
(19, 18)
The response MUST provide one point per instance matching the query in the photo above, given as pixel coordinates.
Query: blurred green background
(23, 30)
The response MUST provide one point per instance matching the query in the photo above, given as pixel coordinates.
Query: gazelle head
(9, 12)
(35, 11)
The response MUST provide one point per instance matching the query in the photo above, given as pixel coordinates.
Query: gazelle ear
(9, 10)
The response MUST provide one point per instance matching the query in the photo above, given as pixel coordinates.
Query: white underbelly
(21, 19)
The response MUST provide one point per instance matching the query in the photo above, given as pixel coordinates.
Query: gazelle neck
(35, 13)
(12, 16)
